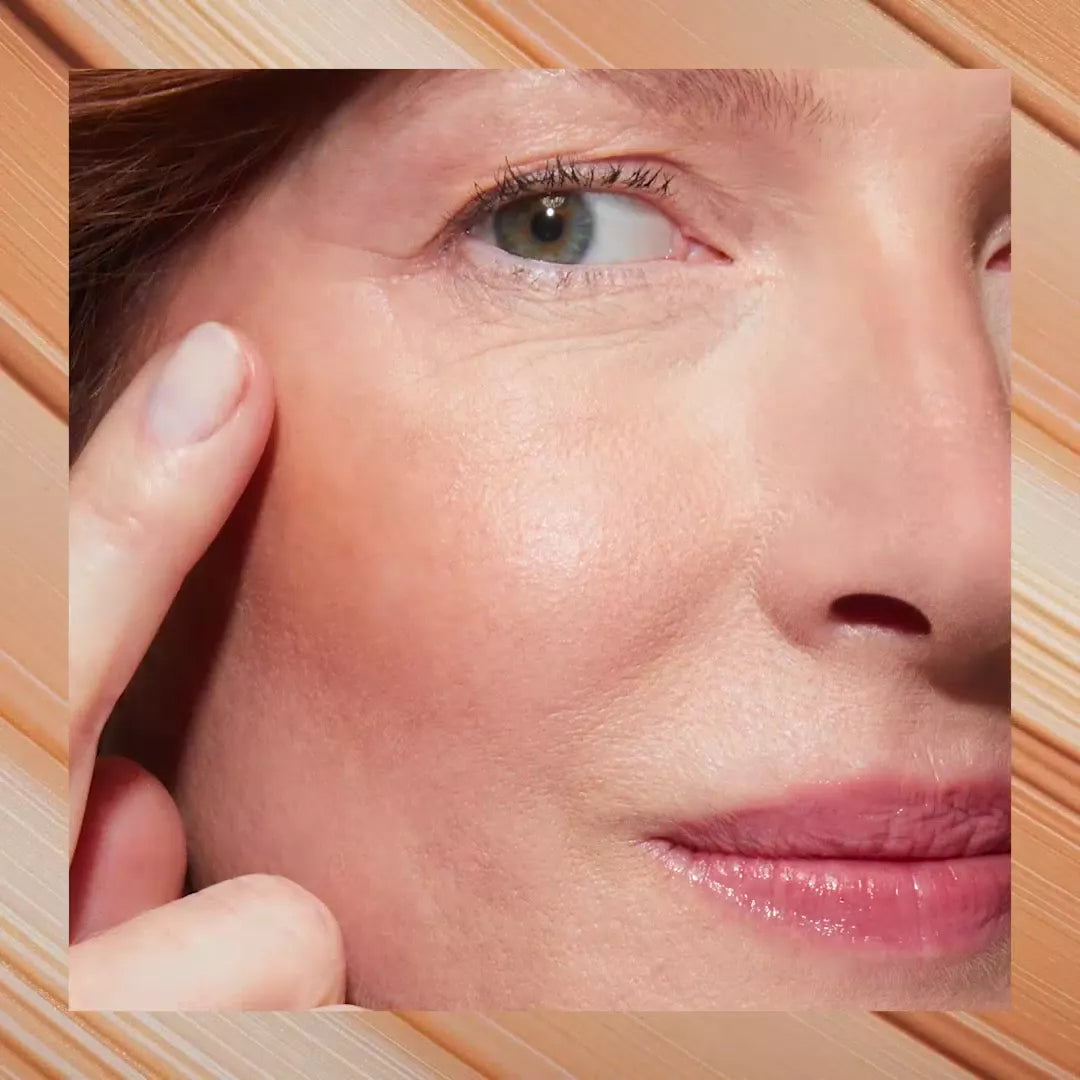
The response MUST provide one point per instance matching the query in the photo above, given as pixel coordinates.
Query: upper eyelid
(561, 174)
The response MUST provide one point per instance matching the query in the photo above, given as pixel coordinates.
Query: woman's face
(592, 516)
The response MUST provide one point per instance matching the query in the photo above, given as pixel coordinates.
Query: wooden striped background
(1039, 40)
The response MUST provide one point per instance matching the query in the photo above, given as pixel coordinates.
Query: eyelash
(559, 175)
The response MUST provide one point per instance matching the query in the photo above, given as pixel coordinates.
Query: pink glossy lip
(880, 865)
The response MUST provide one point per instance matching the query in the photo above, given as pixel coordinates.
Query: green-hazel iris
(551, 228)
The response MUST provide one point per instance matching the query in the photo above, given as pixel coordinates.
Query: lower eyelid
(490, 258)
(497, 271)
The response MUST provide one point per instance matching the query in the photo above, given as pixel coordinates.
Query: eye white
(627, 230)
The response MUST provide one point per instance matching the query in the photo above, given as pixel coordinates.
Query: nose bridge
(931, 382)
(900, 384)
(897, 482)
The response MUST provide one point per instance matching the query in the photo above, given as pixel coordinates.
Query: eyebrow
(782, 99)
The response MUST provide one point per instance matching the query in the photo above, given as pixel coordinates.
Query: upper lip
(867, 819)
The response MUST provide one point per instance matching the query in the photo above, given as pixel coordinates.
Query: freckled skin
(530, 572)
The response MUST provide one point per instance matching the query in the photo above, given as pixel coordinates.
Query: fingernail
(198, 388)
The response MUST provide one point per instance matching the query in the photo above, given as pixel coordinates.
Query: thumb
(252, 943)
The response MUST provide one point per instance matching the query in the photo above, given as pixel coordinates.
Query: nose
(886, 481)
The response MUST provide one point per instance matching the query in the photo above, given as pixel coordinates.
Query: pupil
(546, 225)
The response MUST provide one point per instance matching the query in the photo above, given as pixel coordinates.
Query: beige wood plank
(33, 554)
(33, 436)
(33, 216)
(1046, 275)
(687, 33)
(264, 33)
(1039, 1034)
(685, 1046)
(1039, 41)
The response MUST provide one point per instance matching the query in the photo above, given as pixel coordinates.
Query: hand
(148, 494)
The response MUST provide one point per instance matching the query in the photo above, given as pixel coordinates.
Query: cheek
(458, 527)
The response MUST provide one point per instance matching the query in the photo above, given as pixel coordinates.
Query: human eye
(569, 214)
(996, 253)
(1001, 259)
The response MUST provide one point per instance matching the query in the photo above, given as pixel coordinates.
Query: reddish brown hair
(155, 157)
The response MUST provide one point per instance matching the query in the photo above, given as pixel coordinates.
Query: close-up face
(620, 617)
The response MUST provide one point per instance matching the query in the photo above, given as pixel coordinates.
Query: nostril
(885, 612)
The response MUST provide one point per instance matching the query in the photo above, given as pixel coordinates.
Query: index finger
(149, 493)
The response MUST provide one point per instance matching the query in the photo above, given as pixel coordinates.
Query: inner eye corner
(1001, 259)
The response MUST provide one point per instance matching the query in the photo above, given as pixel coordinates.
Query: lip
(895, 867)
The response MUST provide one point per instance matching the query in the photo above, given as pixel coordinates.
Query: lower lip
(931, 907)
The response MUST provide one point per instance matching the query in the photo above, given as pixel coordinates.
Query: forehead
(850, 98)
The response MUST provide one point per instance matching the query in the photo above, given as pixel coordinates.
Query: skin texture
(540, 559)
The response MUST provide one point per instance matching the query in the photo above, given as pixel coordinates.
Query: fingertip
(308, 920)
(131, 854)
(259, 396)
(254, 943)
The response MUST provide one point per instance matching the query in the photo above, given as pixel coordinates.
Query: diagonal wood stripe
(1040, 1035)
(1036, 41)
